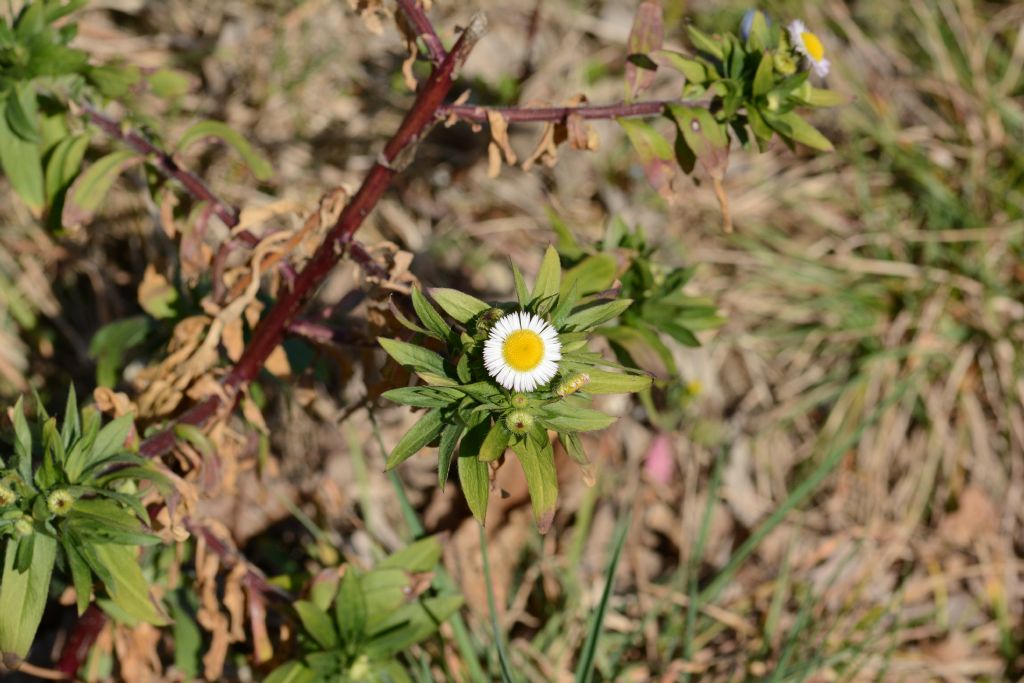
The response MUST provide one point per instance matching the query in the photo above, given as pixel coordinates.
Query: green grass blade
(499, 638)
(585, 667)
(696, 555)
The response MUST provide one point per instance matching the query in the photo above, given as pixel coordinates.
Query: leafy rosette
(503, 376)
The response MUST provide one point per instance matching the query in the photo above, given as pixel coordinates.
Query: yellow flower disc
(815, 50)
(523, 350)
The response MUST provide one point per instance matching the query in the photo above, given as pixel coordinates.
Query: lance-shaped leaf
(259, 166)
(565, 417)
(586, 317)
(473, 472)
(91, 187)
(22, 165)
(415, 358)
(706, 137)
(350, 607)
(791, 126)
(460, 306)
(428, 315)
(646, 36)
(603, 382)
(495, 443)
(424, 397)
(422, 433)
(655, 152)
(126, 584)
(449, 439)
(538, 464)
(548, 279)
(23, 595)
(693, 70)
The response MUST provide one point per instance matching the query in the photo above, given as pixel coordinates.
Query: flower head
(60, 501)
(809, 45)
(522, 352)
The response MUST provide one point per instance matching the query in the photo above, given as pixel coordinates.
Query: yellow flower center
(814, 48)
(523, 350)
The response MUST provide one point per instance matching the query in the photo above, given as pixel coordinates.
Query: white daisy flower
(522, 352)
(809, 45)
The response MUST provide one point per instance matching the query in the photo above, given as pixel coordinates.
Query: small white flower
(809, 45)
(522, 352)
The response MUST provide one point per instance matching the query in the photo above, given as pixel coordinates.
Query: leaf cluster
(69, 496)
(354, 627)
(472, 419)
(750, 88)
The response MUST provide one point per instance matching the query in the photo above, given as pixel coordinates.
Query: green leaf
(90, 188)
(591, 315)
(764, 79)
(188, 639)
(522, 292)
(112, 437)
(22, 166)
(564, 417)
(113, 80)
(549, 278)
(574, 447)
(259, 166)
(72, 426)
(704, 135)
(317, 623)
(63, 164)
(495, 443)
(291, 672)
(81, 575)
(350, 607)
(474, 475)
(424, 397)
(693, 71)
(107, 522)
(22, 113)
(585, 665)
(593, 274)
(112, 341)
(422, 433)
(792, 126)
(168, 83)
(449, 438)
(602, 382)
(409, 625)
(655, 152)
(705, 43)
(820, 97)
(541, 480)
(414, 357)
(385, 590)
(431, 319)
(22, 442)
(460, 306)
(23, 594)
(421, 556)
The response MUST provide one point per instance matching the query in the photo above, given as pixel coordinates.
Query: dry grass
(873, 299)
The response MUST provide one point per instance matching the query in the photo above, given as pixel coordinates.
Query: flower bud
(59, 502)
(519, 401)
(23, 526)
(784, 63)
(7, 496)
(519, 421)
(572, 384)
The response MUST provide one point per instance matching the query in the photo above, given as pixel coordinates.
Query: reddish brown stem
(165, 162)
(476, 113)
(419, 21)
(268, 334)
(85, 633)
